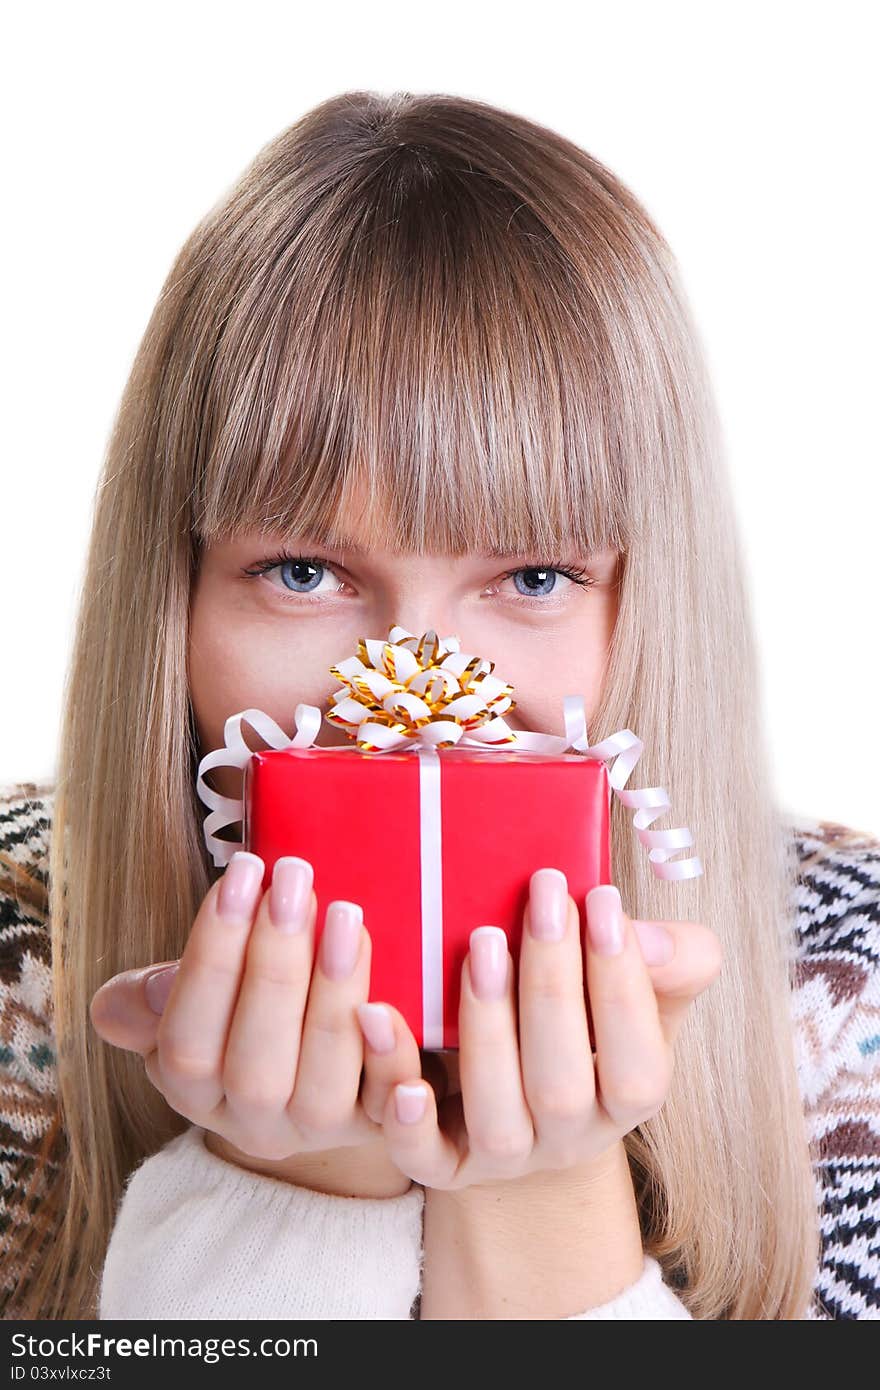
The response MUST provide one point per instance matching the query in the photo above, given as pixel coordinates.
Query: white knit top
(199, 1237)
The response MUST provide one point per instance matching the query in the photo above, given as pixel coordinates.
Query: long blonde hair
(476, 317)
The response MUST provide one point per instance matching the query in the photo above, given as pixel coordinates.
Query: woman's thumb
(126, 1010)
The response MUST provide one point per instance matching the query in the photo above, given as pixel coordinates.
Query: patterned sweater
(836, 1006)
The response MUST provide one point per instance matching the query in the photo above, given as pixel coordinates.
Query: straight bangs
(420, 351)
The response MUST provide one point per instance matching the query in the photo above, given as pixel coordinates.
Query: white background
(749, 132)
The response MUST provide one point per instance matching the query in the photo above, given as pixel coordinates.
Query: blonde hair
(471, 315)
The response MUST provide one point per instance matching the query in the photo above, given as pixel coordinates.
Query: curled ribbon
(424, 693)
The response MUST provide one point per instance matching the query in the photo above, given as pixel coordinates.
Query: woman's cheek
(236, 665)
(542, 682)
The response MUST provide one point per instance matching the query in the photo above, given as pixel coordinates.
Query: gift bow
(424, 693)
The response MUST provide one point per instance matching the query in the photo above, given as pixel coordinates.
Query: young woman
(430, 364)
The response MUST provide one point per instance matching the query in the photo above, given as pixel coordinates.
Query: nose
(419, 619)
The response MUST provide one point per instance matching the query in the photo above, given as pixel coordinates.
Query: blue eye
(300, 574)
(296, 572)
(542, 581)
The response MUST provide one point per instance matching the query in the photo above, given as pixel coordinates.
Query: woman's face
(268, 642)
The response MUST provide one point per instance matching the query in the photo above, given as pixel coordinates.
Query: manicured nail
(548, 904)
(341, 939)
(157, 987)
(488, 946)
(240, 885)
(289, 895)
(409, 1103)
(658, 946)
(605, 920)
(378, 1028)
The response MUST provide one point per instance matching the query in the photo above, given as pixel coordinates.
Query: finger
(154, 1071)
(262, 1049)
(683, 959)
(499, 1125)
(414, 1140)
(633, 1061)
(194, 1026)
(120, 1010)
(557, 1064)
(391, 1054)
(332, 1050)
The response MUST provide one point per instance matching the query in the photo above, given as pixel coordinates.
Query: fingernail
(341, 939)
(289, 895)
(488, 947)
(548, 904)
(658, 946)
(378, 1028)
(157, 987)
(240, 885)
(605, 920)
(409, 1103)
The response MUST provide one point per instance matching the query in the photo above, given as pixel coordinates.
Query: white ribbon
(650, 802)
(430, 841)
(228, 810)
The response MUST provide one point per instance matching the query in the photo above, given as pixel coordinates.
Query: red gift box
(431, 844)
(434, 820)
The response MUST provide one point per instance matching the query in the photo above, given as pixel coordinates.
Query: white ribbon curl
(624, 746)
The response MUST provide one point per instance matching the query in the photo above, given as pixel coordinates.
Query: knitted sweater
(197, 1237)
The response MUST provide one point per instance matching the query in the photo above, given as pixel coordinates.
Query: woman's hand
(534, 1094)
(258, 1044)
